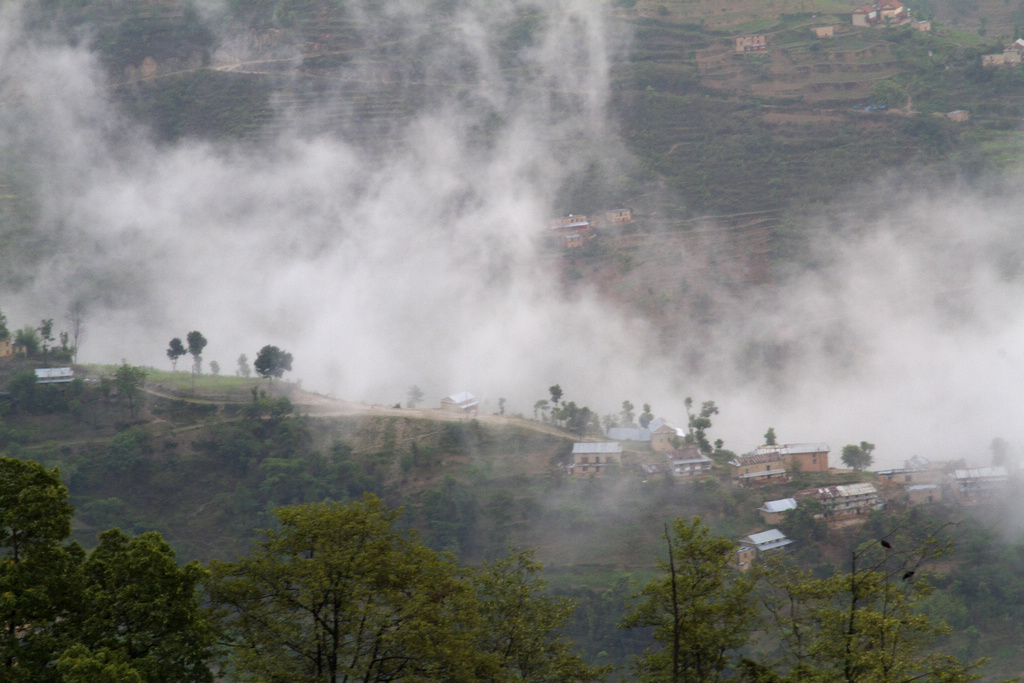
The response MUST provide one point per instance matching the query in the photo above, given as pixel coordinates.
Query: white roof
(767, 540)
(629, 434)
(52, 375)
(779, 505)
(857, 489)
(599, 447)
(461, 397)
(794, 448)
(981, 473)
(921, 487)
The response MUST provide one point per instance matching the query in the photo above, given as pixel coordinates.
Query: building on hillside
(805, 457)
(1011, 56)
(760, 544)
(574, 241)
(774, 511)
(664, 436)
(917, 494)
(848, 500)
(992, 60)
(756, 43)
(823, 31)
(462, 402)
(688, 461)
(565, 221)
(923, 26)
(629, 434)
(593, 458)
(891, 10)
(619, 216)
(54, 375)
(754, 468)
(6, 348)
(980, 484)
(908, 476)
(865, 16)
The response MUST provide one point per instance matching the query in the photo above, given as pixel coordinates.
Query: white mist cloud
(414, 260)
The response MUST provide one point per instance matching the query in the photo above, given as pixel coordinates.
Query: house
(757, 467)
(923, 26)
(665, 437)
(574, 241)
(773, 511)
(6, 348)
(568, 224)
(979, 484)
(688, 461)
(992, 60)
(806, 457)
(618, 216)
(593, 458)
(462, 402)
(54, 375)
(1011, 56)
(629, 434)
(923, 493)
(756, 545)
(891, 10)
(756, 43)
(848, 500)
(823, 31)
(865, 16)
(908, 476)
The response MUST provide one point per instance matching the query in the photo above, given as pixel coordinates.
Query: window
(585, 459)
(597, 459)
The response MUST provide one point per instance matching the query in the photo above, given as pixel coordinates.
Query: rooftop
(599, 447)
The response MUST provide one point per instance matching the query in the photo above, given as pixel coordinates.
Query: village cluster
(1011, 56)
(660, 450)
(574, 231)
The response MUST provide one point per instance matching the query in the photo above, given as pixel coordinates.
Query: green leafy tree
(700, 608)
(130, 381)
(175, 351)
(214, 368)
(858, 457)
(145, 610)
(37, 585)
(699, 424)
(272, 362)
(541, 407)
(4, 332)
(28, 338)
(522, 627)
(338, 593)
(243, 366)
(556, 394)
(196, 343)
(769, 437)
(646, 417)
(627, 414)
(415, 396)
(46, 335)
(864, 625)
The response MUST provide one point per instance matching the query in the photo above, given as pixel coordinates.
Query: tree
(627, 414)
(36, 582)
(75, 318)
(145, 609)
(501, 406)
(541, 406)
(196, 343)
(769, 437)
(864, 625)
(4, 332)
(858, 457)
(415, 396)
(272, 362)
(700, 423)
(129, 381)
(522, 626)
(243, 366)
(556, 394)
(338, 593)
(46, 334)
(28, 338)
(646, 417)
(701, 609)
(175, 351)
(214, 368)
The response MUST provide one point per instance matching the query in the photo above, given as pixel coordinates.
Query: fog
(415, 259)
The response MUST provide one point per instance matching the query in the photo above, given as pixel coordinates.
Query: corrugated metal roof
(54, 375)
(794, 448)
(598, 447)
(461, 397)
(981, 473)
(779, 505)
(770, 536)
(920, 487)
(844, 491)
(756, 459)
(629, 434)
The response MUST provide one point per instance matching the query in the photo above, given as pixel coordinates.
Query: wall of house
(808, 462)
